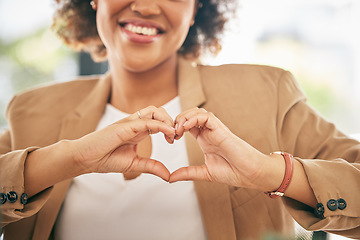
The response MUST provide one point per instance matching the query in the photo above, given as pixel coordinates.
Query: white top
(105, 206)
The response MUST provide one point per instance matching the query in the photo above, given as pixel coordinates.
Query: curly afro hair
(75, 24)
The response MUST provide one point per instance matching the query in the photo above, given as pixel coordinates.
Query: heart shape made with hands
(144, 147)
(218, 143)
(196, 121)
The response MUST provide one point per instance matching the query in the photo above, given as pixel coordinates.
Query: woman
(63, 137)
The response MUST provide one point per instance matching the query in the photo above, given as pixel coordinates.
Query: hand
(113, 149)
(228, 159)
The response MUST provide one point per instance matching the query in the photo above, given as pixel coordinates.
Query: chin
(138, 66)
(139, 62)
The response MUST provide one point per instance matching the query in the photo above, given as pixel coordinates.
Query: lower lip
(137, 38)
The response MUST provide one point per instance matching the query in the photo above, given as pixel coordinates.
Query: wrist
(47, 166)
(64, 157)
(74, 157)
(272, 173)
(289, 169)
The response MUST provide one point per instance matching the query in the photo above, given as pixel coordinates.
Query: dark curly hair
(75, 23)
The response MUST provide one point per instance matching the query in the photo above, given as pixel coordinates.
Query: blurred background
(317, 40)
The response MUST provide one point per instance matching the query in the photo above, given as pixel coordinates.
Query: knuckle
(210, 114)
(151, 107)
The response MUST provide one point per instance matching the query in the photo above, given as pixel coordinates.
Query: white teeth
(141, 30)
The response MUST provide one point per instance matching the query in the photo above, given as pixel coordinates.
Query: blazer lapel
(76, 124)
(214, 199)
(86, 116)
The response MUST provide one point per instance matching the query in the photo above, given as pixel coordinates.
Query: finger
(153, 112)
(203, 120)
(189, 113)
(182, 118)
(179, 129)
(184, 113)
(197, 121)
(195, 173)
(147, 165)
(155, 126)
(169, 140)
(135, 130)
(207, 123)
(150, 126)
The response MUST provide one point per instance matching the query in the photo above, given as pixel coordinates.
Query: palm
(119, 160)
(216, 164)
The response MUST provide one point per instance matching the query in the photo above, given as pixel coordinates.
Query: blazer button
(12, 196)
(319, 210)
(342, 204)
(2, 198)
(24, 198)
(332, 204)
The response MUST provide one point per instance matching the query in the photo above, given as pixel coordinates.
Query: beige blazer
(262, 105)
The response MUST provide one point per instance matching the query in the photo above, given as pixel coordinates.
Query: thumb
(195, 173)
(147, 165)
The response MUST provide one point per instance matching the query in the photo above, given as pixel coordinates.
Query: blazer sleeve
(12, 164)
(331, 161)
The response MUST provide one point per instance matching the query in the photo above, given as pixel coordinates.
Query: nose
(145, 7)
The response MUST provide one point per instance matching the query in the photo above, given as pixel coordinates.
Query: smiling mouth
(141, 30)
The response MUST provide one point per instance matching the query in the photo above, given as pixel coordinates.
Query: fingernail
(176, 126)
(177, 137)
(185, 123)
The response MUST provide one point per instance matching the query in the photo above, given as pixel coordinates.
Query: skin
(144, 74)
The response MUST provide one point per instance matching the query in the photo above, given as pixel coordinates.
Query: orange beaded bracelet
(289, 169)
